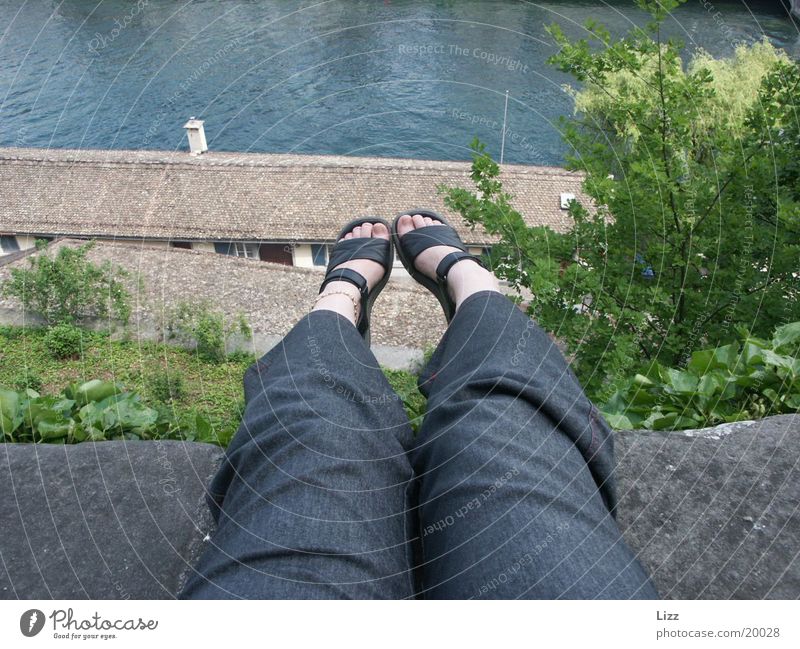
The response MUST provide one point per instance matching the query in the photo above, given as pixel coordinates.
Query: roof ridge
(238, 160)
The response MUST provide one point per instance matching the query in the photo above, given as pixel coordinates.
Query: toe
(366, 230)
(404, 224)
(419, 221)
(349, 235)
(380, 230)
(357, 231)
(428, 220)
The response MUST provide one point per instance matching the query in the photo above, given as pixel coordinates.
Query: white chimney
(197, 136)
(565, 200)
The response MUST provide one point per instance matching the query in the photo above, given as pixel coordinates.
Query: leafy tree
(692, 230)
(68, 287)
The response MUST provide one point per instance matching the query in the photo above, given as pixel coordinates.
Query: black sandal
(374, 249)
(412, 244)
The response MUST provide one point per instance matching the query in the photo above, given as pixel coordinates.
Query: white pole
(503, 142)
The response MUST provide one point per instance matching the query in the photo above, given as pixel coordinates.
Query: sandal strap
(373, 249)
(347, 275)
(416, 241)
(449, 260)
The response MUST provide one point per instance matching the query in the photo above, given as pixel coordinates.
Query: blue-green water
(383, 77)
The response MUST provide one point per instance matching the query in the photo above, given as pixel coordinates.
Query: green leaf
(618, 422)
(9, 411)
(786, 335)
(54, 427)
(752, 354)
(785, 362)
(95, 390)
(205, 432)
(724, 357)
(661, 421)
(709, 384)
(129, 415)
(701, 362)
(9, 404)
(682, 382)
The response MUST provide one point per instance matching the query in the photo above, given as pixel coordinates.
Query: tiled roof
(221, 196)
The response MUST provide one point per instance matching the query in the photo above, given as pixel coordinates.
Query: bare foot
(464, 278)
(349, 304)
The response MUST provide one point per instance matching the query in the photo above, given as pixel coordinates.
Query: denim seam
(407, 537)
(592, 420)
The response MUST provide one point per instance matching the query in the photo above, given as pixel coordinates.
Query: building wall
(152, 243)
(24, 241)
(301, 253)
(302, 256)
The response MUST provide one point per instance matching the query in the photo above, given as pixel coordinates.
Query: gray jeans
(505, 492)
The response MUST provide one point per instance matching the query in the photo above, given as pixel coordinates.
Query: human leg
(514, 462)
(313, 497)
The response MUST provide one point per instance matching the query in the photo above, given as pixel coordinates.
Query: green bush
(29, 380)
(69, 288)
(93, 411)
(204, 326)
(242, 356)
(64, 341)
(690, 224)
(405, 385)
(167, 386)
(747, 379)
(210, 335)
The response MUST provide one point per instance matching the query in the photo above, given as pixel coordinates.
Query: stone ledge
(712, 514)
(110, 520)
(715, 513)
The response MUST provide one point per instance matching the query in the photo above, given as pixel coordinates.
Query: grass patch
(213, 389)
(165, 376)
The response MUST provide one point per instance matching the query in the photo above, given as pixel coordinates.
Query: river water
(381, 77)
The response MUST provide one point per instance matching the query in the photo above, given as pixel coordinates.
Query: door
(277, 253)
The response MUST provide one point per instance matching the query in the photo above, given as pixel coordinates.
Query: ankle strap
(346, 275)
(449, 260)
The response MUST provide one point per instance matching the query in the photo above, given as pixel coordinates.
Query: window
(182, 244)
(319, 254)
(237, 249)
(248, 250)
(8, 243)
